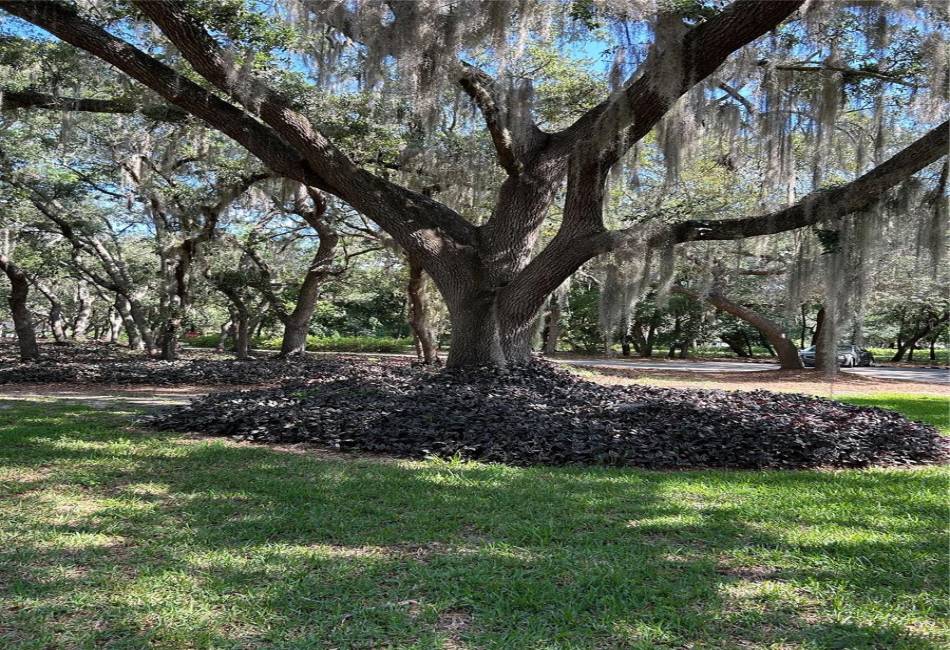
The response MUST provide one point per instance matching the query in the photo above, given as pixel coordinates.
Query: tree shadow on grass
(127, 538)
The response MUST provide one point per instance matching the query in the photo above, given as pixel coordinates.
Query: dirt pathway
(107, 396)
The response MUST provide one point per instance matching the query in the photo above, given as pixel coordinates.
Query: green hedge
(319, 344)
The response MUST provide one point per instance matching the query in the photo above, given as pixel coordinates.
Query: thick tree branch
(63, 21)
(695, 56)
(397, 209)
(823, 204)
(481, 88)
(573, 247)
(846, 72)
(17, 99)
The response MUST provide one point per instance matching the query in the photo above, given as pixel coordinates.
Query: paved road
(923, 375)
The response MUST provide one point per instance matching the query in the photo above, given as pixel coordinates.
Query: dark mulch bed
(542, 415)
(104, 364)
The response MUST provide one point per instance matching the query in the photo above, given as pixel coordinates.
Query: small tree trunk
(115, 325)
(227, 332)
(736, 343)
(819, 324)
(933, 349)
(56, 323)
(804, 326)
(788, 357)
(647, 350)
(242, 342)
(22, 319)
(677, 330)
(294, 342)
(132, 329)
(84, 302)
(553, 331)
(427, 345)
(171, 329)
(685, 347)
(920, 333)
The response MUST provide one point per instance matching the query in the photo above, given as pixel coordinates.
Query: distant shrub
(321, 343)
(203, 341)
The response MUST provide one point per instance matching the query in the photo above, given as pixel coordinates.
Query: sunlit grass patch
(923, 408)
(112, 537)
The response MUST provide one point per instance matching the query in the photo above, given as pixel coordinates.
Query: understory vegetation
(111, 536)
(319, 344)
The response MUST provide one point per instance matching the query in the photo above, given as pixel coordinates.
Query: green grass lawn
(113, 537)
(923, 408)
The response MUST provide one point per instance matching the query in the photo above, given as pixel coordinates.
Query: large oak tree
(493, 280)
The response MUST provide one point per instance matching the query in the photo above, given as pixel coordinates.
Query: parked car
(849, 356)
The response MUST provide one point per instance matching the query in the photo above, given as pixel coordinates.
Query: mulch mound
(538, 414)
(103, 364)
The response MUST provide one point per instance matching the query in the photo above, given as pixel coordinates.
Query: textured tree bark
(22, 318)
(242, 339)
(427, 344)
(297, 322)
(168, 347)
(788, 356)
(476, 334)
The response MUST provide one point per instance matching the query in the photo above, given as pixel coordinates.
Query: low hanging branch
(772, 331)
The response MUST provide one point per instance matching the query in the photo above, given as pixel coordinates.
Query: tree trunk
(804, 326)
(819, 324)
(226, 331)
(22, 319)
(56, 322)
(788, 357)
(677, 330)
(647, 350)
(294, 342)
(933, 349)
(171, 329)
(476, 335)
(553, 331)
(685, 347)
(919, 333)
(625, 345)
(242, 339)
(132, 329)
(84, 302)
(736, 343)
(427, 344)
(115, 325)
